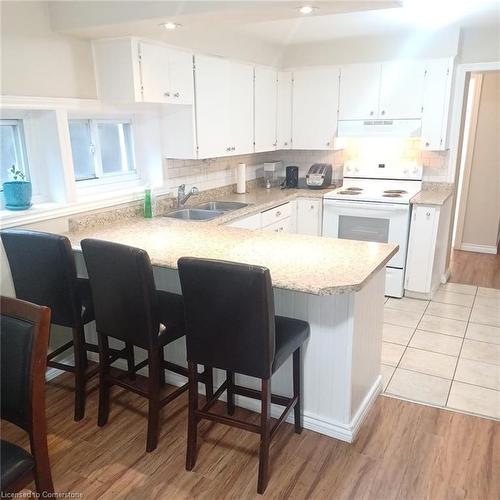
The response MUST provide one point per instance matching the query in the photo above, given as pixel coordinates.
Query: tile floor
(445, 352)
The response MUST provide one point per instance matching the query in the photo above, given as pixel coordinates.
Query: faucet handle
(182, 187)
(194, 190)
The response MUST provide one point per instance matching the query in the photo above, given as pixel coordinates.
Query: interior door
(265, 108)
(359, 91)
(315, 105)
(402, 89)
(181, 76)
(240, 108)
(284, 111)
(155, 76)
(212, 85)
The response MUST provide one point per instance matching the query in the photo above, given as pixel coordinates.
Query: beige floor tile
(437, 342)
(450, 311)
(397, 334)
(431, 363)
(485, 315)
(442, 325)
(407, 304)
(487, 302)
(474, 399)
(419, 387)
(484, 333)
(478, 373)
(481, 351)
(459, 288)
(459, 299)
(386, 371)
(488, 292)
(391, 353)
(409, 319)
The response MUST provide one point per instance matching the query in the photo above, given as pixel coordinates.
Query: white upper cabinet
(359, 91)
(436, 103)
(315, 105)
(402, 89)
(180, 71)
(154, 73)
(265, 95)
(284, 111)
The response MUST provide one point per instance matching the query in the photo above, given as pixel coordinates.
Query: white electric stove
(373, 204)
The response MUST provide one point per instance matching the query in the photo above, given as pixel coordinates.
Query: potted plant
(17, 192)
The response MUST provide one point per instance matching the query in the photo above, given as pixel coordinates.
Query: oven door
(368, 221)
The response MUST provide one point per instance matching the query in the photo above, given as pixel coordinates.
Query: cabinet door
(284, 112)
(265, 95)
(437, 90)
(315, 104)
(240, 108)
(251, 222)
(359, 91)
(212, 117)
(309, 217)
(155, 77)
(423, 230)
(282, 226)
(181, 76)
(402, 89)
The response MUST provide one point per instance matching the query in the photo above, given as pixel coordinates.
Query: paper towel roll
(241, 178)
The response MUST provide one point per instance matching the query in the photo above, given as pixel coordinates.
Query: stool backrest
(24, 339)
(44, 272)
(229, 315)
(123, 291)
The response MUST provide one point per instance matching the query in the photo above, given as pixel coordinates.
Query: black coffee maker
(291, 177)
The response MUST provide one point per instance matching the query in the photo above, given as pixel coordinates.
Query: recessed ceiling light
(307, 9)
(170, 26)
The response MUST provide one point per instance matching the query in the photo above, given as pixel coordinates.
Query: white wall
(479, 44)
(36, 61)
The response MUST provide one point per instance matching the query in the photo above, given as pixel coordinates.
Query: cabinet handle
(233, 148)
(285, 144)
(427, 144)
(371, 113)
(275, 144)
(428, 214)
(278, 213)
(383, 112)
(166, 94)
(228, 149)
(328, 143)
(177, 94)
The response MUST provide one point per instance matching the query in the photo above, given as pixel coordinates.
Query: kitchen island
(335, 285)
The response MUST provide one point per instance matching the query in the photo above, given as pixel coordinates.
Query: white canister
(241, 178)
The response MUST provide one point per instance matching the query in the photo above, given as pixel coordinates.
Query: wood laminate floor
(404, 451)
(478, 269)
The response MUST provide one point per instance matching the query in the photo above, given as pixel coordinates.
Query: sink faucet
(182, 197)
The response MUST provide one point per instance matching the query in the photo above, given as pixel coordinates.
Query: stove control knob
(356, 169)
(348, 169)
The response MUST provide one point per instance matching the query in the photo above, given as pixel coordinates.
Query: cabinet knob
(371, 113)
(275, 144)
(427, 143)
(312, 207)
(166, 94)
(177, 94)
(233, 148)
(228, 149)
(383, 112)
(328, 143)
(428, 214)
(278, 213)
(285, 144)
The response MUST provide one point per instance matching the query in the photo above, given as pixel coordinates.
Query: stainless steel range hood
(380, 128)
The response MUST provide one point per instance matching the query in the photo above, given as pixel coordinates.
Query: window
(101, 148)
(12, 148)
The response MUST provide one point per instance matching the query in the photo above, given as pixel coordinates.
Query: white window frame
(102, 178)
(21, 149)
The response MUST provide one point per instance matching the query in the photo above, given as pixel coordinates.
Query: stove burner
(392, 195)
(395, 191)
(349, 192)
(354, 189)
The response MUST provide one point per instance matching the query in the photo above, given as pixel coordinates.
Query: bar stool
(231, 325)
(44, 272)
(129, 308)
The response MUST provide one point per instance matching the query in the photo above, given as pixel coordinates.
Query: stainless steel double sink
(206, 211)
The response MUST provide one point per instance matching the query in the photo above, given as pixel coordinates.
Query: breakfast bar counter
(335, 285)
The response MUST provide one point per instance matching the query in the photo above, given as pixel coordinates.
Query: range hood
(379, 128)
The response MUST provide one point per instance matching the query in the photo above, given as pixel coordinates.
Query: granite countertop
(431, 197)
(308, 264)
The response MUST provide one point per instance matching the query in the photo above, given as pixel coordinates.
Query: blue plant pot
(17, 195)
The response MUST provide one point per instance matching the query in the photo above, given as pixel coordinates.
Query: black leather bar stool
(231, 325)
(129, 308)
(44, 272)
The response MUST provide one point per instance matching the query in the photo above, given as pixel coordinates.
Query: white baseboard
(470, 247)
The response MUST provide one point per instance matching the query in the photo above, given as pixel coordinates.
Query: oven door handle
(402, 207)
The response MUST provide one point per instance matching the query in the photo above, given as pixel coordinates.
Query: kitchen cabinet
(309, 216)
(436, 104)
(130, 70)
(251, 222)
(427, 248)
(265, 108)
(282, 226)
(315, 105)
(284, 111)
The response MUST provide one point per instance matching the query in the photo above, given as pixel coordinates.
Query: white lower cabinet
(309, 216)
(251, 222)
(282, 226)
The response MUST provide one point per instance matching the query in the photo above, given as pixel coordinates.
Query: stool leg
(154, 398)
(104, 387)
(209, 382)
(162, 369)
(297, 391)
(80, 363)
(130, 360)
(192, 419)
(265, 436)
(230, 393)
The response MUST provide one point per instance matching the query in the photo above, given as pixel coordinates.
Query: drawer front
(282, 226)
(276, 214)
(251, 222)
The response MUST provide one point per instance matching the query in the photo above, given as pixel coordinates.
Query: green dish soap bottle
(148, 209)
